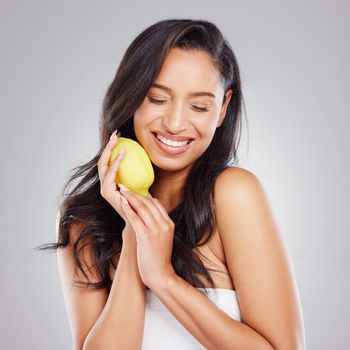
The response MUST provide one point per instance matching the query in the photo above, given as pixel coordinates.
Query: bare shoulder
(257, 259)
(74, 229)
(238, 179)
(240, 189)
(83, 305)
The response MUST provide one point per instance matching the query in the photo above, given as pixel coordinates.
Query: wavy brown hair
(99, 224)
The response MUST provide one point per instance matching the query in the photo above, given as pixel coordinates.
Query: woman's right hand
(109, 191)
(108, 188)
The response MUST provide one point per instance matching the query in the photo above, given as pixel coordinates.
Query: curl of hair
(100, 225)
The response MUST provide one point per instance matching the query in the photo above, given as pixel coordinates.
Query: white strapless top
(162, 331)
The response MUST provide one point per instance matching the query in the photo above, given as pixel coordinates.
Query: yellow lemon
(135, 170)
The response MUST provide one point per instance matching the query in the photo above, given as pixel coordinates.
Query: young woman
(199, 263)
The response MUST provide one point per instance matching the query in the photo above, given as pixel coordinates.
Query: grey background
(57, 59)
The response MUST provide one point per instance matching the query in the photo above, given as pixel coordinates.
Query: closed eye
(196, 108)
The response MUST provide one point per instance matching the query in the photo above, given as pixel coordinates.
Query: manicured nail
(124, 200)
(114, 133)
(123, 188)
(121, 152)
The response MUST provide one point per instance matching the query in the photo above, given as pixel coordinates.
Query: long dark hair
(100, 225)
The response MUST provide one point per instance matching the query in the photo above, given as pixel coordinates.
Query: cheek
(141, 118)
(145, 114)
(207, 126)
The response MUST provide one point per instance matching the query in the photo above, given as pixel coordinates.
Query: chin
(169, 164)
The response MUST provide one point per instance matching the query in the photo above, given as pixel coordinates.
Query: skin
(256, 256)
(183, 72)
(257, 260)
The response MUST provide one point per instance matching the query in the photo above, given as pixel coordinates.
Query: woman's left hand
(154, 235)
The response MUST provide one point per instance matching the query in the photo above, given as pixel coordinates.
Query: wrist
(129, 255)
(128, 235)
(165, 282)
(128, 259)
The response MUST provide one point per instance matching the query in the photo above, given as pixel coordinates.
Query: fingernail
(113, 133)
(123, 188)
(124, 200)
(121, 152)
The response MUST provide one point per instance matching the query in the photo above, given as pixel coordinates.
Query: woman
(148, 261)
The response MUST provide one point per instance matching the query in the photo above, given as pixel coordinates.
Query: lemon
(135, 170)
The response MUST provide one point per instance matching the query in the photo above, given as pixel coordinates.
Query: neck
(168, 187)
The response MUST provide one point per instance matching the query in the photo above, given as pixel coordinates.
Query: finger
(162, 209)
(145, 208)
(133, 218)
(160, 206)
(118, 200)
(110, 176)
(102, 164)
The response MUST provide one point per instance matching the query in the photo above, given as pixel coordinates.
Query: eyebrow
(199, 93)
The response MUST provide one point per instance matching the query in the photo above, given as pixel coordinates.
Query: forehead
(189, 71)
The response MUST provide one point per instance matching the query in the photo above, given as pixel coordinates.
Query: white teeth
(170, 142)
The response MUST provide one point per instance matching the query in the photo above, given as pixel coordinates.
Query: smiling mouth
(171, 143)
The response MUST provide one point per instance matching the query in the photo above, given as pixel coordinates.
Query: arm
(92, 312)
(259, 265)
(211, 326)
(121, 322)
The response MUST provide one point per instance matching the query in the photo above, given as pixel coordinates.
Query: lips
(161, 139)
(172, 138)
(171, 149)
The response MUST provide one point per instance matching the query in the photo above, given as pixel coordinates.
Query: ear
(228, 95)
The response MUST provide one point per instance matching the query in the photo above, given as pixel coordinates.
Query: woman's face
(172, 108)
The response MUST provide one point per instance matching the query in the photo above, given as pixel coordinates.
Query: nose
(175, 121)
